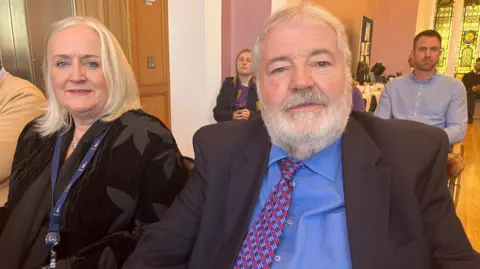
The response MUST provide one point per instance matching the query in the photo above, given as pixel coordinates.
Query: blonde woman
(238, 99)
(94, 169)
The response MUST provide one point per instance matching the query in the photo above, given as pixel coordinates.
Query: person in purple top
(238, 99)
(358, 103)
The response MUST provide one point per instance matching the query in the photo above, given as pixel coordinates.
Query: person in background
(358, 103)
(94, 170)
(20, 102)
(426, 95)
(311, 184)
(238, 98)
(472, 85)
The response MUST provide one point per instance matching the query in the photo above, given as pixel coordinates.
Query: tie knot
(289, 166)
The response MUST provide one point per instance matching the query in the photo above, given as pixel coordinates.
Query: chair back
(188, 162)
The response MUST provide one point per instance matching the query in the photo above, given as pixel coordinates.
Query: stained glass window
(366, 40)
(443, 25)
(467, 51)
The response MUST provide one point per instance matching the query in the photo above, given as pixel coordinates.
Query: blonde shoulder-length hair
(122, 87)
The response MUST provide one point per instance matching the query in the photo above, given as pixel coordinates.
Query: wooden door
(142, 31)
(150, 55)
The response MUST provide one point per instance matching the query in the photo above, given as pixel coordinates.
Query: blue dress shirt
(439, 101)
(315, 233)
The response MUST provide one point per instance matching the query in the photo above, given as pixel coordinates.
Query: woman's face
(76, 72)
(244, 64)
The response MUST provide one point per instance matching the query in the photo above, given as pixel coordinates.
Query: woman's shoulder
(142, 125)
(30, 131)
(229, 81)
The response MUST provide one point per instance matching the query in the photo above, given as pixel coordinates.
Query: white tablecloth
(371, 90)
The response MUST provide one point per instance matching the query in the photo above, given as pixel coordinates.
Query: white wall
(278, 4)
(195, 66)
(425, 15)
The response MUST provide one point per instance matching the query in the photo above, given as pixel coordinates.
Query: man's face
(303, 85)
(426, 53)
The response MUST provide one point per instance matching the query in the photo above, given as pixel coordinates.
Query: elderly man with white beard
(312, 184)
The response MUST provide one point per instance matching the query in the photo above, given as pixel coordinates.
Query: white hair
(310, 132)
(123, 94)
(304, 12)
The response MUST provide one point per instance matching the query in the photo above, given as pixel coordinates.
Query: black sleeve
(169, 243)
(223, 109)
(450, 246)
(164, 176)
(467, 82)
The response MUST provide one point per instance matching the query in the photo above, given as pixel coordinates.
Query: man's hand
(476, 88)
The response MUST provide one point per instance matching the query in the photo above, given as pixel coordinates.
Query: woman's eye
(61, 64)
(92, 65)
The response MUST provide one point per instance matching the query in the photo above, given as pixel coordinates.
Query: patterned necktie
(262, 240)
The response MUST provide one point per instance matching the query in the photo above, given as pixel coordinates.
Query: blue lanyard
(53, 237)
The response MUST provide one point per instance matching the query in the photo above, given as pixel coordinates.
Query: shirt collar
(3, 72)
(324, 163)
(428, 80)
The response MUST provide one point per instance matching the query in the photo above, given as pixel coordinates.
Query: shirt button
(289, 222)
(418, 93)
(277, 258)
(417, 104)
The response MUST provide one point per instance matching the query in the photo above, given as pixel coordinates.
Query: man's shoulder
(400, 134)
(399, 82)
(17, 85)
(227, 135)
(443, 79)
(401, 79)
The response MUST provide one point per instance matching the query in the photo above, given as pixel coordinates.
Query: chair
(455, 168)
(188, 162)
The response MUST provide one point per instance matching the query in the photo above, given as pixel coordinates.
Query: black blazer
(399, 210)
(227, 98)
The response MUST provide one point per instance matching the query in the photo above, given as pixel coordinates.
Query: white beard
(302, 134)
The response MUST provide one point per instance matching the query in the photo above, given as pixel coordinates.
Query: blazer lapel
(247, 173)
(367, 198)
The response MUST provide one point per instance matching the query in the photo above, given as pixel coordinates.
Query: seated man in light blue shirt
(425, 95)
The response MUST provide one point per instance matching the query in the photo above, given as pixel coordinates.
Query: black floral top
(133, 177)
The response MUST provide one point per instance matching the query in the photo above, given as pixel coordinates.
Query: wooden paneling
(152, 40)
(142, 31)
(113, 13)
(150, 105)
(149, 38)
(468, 208)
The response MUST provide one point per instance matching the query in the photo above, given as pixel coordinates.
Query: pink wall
(350, 13)
(394, 25)
(226, 37)
(240, 27)
(394, 30)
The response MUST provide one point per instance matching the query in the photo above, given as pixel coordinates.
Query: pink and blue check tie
(262, 240)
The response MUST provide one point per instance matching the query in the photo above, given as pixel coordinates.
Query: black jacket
(469, 80)
(227, 98)
(398, 208)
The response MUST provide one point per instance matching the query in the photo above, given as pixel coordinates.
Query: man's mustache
(303, 98)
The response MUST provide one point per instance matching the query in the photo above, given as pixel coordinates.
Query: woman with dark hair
(238, 99)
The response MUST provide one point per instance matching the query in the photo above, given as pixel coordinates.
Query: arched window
(443, 25)
(468, 45)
